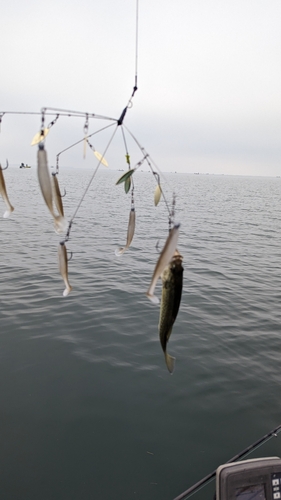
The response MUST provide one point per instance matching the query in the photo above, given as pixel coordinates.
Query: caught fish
(171, 297)
(4, 195)
(130, 233)
(164, 259)
(63, 267)
(46, 189)
(57, 194)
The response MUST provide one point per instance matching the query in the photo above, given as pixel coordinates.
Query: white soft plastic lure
(4, 195)
(130, 233)
(46, 189)
(57, 194)
(63, 267)
(164, 259)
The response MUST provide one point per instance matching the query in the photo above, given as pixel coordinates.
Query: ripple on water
(96, 353)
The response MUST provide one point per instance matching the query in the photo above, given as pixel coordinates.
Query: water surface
(88, 408)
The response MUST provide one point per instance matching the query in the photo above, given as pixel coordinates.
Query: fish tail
(152, 297)
(8, 212)
(60, 224)
(119, 251)
(67, 291)
(170, 362)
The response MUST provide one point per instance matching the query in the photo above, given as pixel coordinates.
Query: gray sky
(209, 80)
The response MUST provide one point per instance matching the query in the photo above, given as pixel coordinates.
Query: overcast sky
(209, 80)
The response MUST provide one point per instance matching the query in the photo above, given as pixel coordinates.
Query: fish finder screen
(254, 492)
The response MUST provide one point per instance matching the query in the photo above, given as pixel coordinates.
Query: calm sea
(88, 408)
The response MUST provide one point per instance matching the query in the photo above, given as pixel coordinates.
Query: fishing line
(97, 154)
(171, 213)
(80, 140)
(129, 182)
(137, 43)
(88, 186)
(126, 147)
(127, 177)
(50, 124)
(155, 174)
(198, 489)
(87, 116)
(135, 88)
(53, 122)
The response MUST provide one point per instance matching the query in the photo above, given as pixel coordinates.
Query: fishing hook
(7, 164)
(71, 255)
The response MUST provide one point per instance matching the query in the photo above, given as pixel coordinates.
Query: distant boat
(22, 165)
